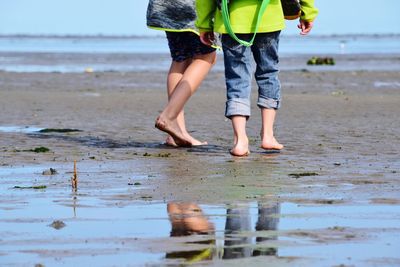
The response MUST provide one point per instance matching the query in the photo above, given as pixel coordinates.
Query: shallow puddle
(19, 129)
(99, 228)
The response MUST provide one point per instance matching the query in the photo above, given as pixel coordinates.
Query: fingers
(305, 27)
(207, 38)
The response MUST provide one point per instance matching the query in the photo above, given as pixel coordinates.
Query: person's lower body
(238, 221)
(268, 220)
(238, 74)
(191, 61)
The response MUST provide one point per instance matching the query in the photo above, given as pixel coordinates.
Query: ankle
(242, 140)
(271, 143)
(267, 137)
(241, 146)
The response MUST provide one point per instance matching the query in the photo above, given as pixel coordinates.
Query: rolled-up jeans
(238, 60)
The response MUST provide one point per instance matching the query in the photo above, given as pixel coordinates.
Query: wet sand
(338, 175)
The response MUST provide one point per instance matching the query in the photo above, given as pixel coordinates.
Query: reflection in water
(239, 245)
(188, 219)
(237, 239)
(74, 198)
(268, 220)
(238, 220)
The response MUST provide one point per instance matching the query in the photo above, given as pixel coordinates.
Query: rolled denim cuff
(269, 103)
(237, 107)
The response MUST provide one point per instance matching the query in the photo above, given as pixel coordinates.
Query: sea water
(346, 44)
(77, 53)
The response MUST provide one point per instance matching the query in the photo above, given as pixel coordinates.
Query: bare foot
(170, 141)
(271, 144)
(194, 141)
(240, 149)
(172, 128)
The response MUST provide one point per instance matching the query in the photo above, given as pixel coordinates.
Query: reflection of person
(238, 61)
(188, 219)
(191, 61)
(268, 220)
(238, 222)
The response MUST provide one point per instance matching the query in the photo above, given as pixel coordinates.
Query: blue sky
(127, 17)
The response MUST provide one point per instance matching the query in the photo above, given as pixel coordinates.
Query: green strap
(227, 22)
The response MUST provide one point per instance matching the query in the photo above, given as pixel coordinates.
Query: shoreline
(159, 62)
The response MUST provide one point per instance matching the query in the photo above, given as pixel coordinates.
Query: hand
(305, 26)
(207, 38)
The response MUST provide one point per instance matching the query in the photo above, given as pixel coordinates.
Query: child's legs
(268, 140)
(175, 75)
(268, 119)
(265, 53)
(191, 62)
(237, 60)
(191, 79)
(183, 80)
(238, 75)
(241, 142)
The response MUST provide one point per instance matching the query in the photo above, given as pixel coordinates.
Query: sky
(128, 17)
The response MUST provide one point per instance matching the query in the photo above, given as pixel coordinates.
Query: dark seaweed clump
(303, 174)
(40, 149)
(30, 187)
(57, 224)
(52, 130)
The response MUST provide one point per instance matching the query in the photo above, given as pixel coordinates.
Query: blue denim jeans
(238, 60)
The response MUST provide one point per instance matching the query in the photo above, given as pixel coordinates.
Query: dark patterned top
(171, 14)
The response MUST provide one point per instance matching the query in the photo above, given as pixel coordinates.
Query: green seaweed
(40, 149)
(321, 61)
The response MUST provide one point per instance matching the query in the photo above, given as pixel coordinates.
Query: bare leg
(192, 77)
(175, 75)
(241, 142)
(268, 140)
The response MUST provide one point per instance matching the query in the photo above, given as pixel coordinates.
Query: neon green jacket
(243, 15)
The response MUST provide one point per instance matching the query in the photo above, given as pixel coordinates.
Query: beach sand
(340, 130)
